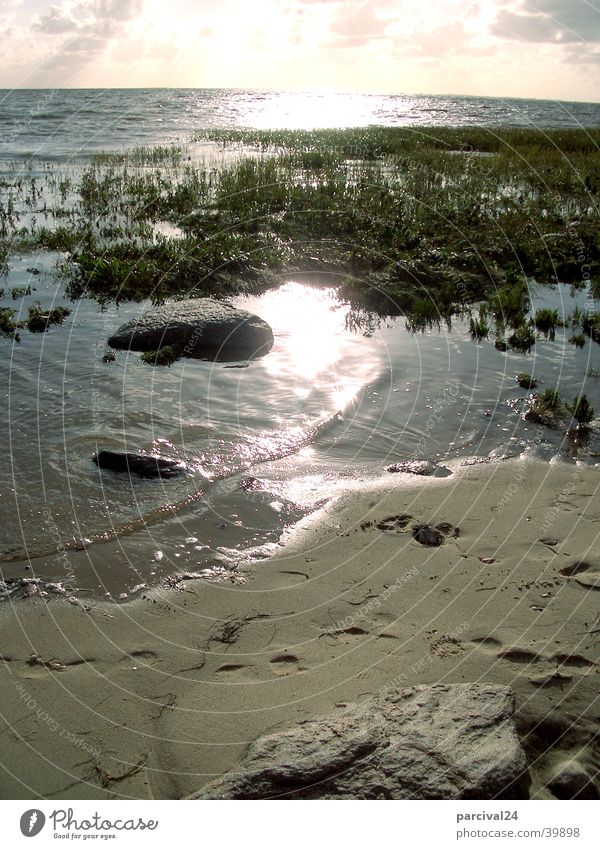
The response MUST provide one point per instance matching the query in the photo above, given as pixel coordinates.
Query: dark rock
(436, 741)
(199, 327)
(145, 465)
(427, 535)
(571, 781)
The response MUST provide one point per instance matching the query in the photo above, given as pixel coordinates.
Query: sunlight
(310, 110)
(312, 342)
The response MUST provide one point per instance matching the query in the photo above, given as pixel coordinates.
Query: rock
(440, 741)
(416, 467)
(427, 535)
(571, 781)
(145, 465)
(197, 327)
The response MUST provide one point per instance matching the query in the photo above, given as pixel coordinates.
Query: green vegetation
(577, 339)
(546, 321)
(7, 325)
(544, 408)
(590, 324)
(20, 292)
(479, 327)
(164, 356)
(526, 381)
(39, 321)
(523, 339)
(582, 411)
(550, 399)
(509, 303)
(419, 222)
(109, 357)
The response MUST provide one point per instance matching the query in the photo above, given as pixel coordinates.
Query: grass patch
(164, 356)
(546, 321)
(582, 410)
(544, 408)
(523, 339)
(526, 381)
(423, 222)
(38, 321)
(7, 325)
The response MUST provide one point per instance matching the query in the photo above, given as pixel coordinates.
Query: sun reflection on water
(314, 351)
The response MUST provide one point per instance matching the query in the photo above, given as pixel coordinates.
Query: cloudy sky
(550, 48)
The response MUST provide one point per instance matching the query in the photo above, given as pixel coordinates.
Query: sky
(547, 49)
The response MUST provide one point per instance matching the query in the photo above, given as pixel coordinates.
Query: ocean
(53, 124)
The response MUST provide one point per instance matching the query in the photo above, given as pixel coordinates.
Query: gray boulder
(435, 741)
(197, 327)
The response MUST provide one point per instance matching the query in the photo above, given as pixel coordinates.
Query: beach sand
(160, 695)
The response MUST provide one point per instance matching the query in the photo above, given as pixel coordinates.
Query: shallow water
(334, 402)
(264, 441)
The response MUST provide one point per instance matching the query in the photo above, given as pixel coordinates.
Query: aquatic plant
(523, 339)
(543, 408)
(509, 304)
(411, 221)
(7, 325)
(526, 381)
(582, 410)
(478, 326)
(546, 321)
(164, 356)
(590, 324)
(38, 321)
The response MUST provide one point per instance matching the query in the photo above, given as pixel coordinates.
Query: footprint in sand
(234, 672)
(487, 643)
(542, 670)
(285, 664)
(345, 635)
(583, 573)
(397, 523)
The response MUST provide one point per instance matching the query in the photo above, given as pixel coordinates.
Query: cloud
(79, 33)
(550, 22)
(356, 25)
(55, 22)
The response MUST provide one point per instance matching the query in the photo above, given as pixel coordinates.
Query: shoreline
(164, 693)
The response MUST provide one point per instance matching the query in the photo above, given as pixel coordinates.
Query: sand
(160, 695)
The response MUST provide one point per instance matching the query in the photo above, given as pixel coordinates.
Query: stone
(145, 465)
(572, 781)
(439, 741)
(414, 467)
(202, 328)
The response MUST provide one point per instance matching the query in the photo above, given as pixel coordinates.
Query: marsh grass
(424, 222)
(526, 381)
(582, 410)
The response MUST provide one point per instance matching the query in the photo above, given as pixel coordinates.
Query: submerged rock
(436, 741)
(145, 465)
(197, 327)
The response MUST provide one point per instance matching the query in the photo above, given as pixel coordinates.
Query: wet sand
(156, 697)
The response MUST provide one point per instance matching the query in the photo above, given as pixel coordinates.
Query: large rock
(429, 742)
(197, 327)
